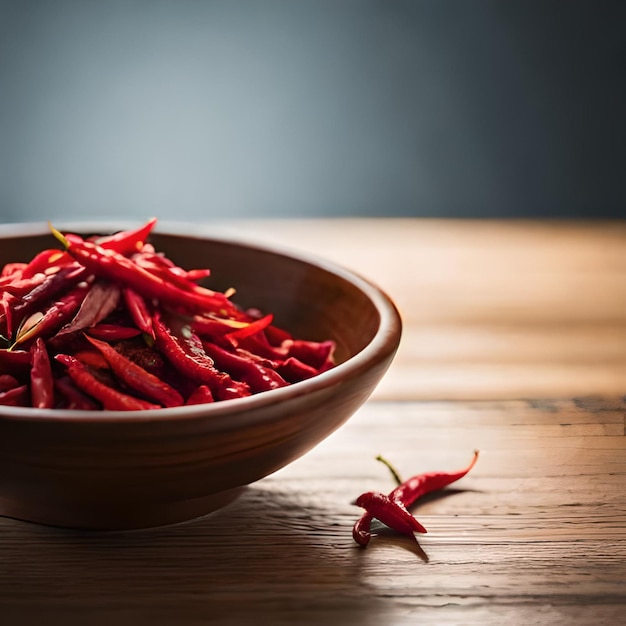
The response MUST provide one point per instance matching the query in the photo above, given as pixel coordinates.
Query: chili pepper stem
(59, 236)
(391, 468)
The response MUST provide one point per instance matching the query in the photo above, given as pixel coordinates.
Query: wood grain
(535, 534)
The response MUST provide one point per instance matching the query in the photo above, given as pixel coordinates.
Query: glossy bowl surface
(112, 470)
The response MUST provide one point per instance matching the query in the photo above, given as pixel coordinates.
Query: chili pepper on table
(390, 508)
(418, 486)
(110, 398)
(389, 511)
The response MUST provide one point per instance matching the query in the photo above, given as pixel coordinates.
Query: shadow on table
(268, 558)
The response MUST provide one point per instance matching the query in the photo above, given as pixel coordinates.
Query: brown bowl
(124, 470)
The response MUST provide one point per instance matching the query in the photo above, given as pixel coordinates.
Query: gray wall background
(196, 110)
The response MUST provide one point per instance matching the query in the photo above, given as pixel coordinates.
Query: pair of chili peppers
(109, 322)
(392, 509)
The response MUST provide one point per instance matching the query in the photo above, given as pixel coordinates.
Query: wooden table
(515, 344)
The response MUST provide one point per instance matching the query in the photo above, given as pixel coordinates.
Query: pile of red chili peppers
(392, 509)
(110, 323)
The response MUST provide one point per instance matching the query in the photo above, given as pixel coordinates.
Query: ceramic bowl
(112, 470)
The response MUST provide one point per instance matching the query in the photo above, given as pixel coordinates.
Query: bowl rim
(383, 344)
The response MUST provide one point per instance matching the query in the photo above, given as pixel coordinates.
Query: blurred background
(213, 109)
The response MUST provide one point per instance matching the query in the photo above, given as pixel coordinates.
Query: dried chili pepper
(127, 241)
(41, 381)
(45, 260)
(251, 329)
(116, 267)
(415, 487)
(14, 361)
(43, 323)
(117, 288)
(99, 302)
(111, 399)
(258, 377)
(113, 332)
(17, 396)
(390, 509)
(184, 349)
(74, 398)
(138, 310)
(200, 395)
(8, 382)
(137, 378)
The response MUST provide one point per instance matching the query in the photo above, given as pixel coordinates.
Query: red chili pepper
(111, 399)
(138, 310)
(22, 286)
(8, 382)
(45, 260)
(200, 395)
(184, 350)
(127, 241)
(118, 268)
(213, 328)
(56, 315)
(361, 529)
(113, 332)
(92, 358)
(54, 284)
(390, 512)
(164, 268)
(100, 301)
(74, 398)
(251, 329)
(392, 506)
(12, 361)
(294, 370)
(41, 382)
(12, 271)
(18, 396)
(137, 378)
(7, 305)
(258, 377)
(417, 486)
(313, 353)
